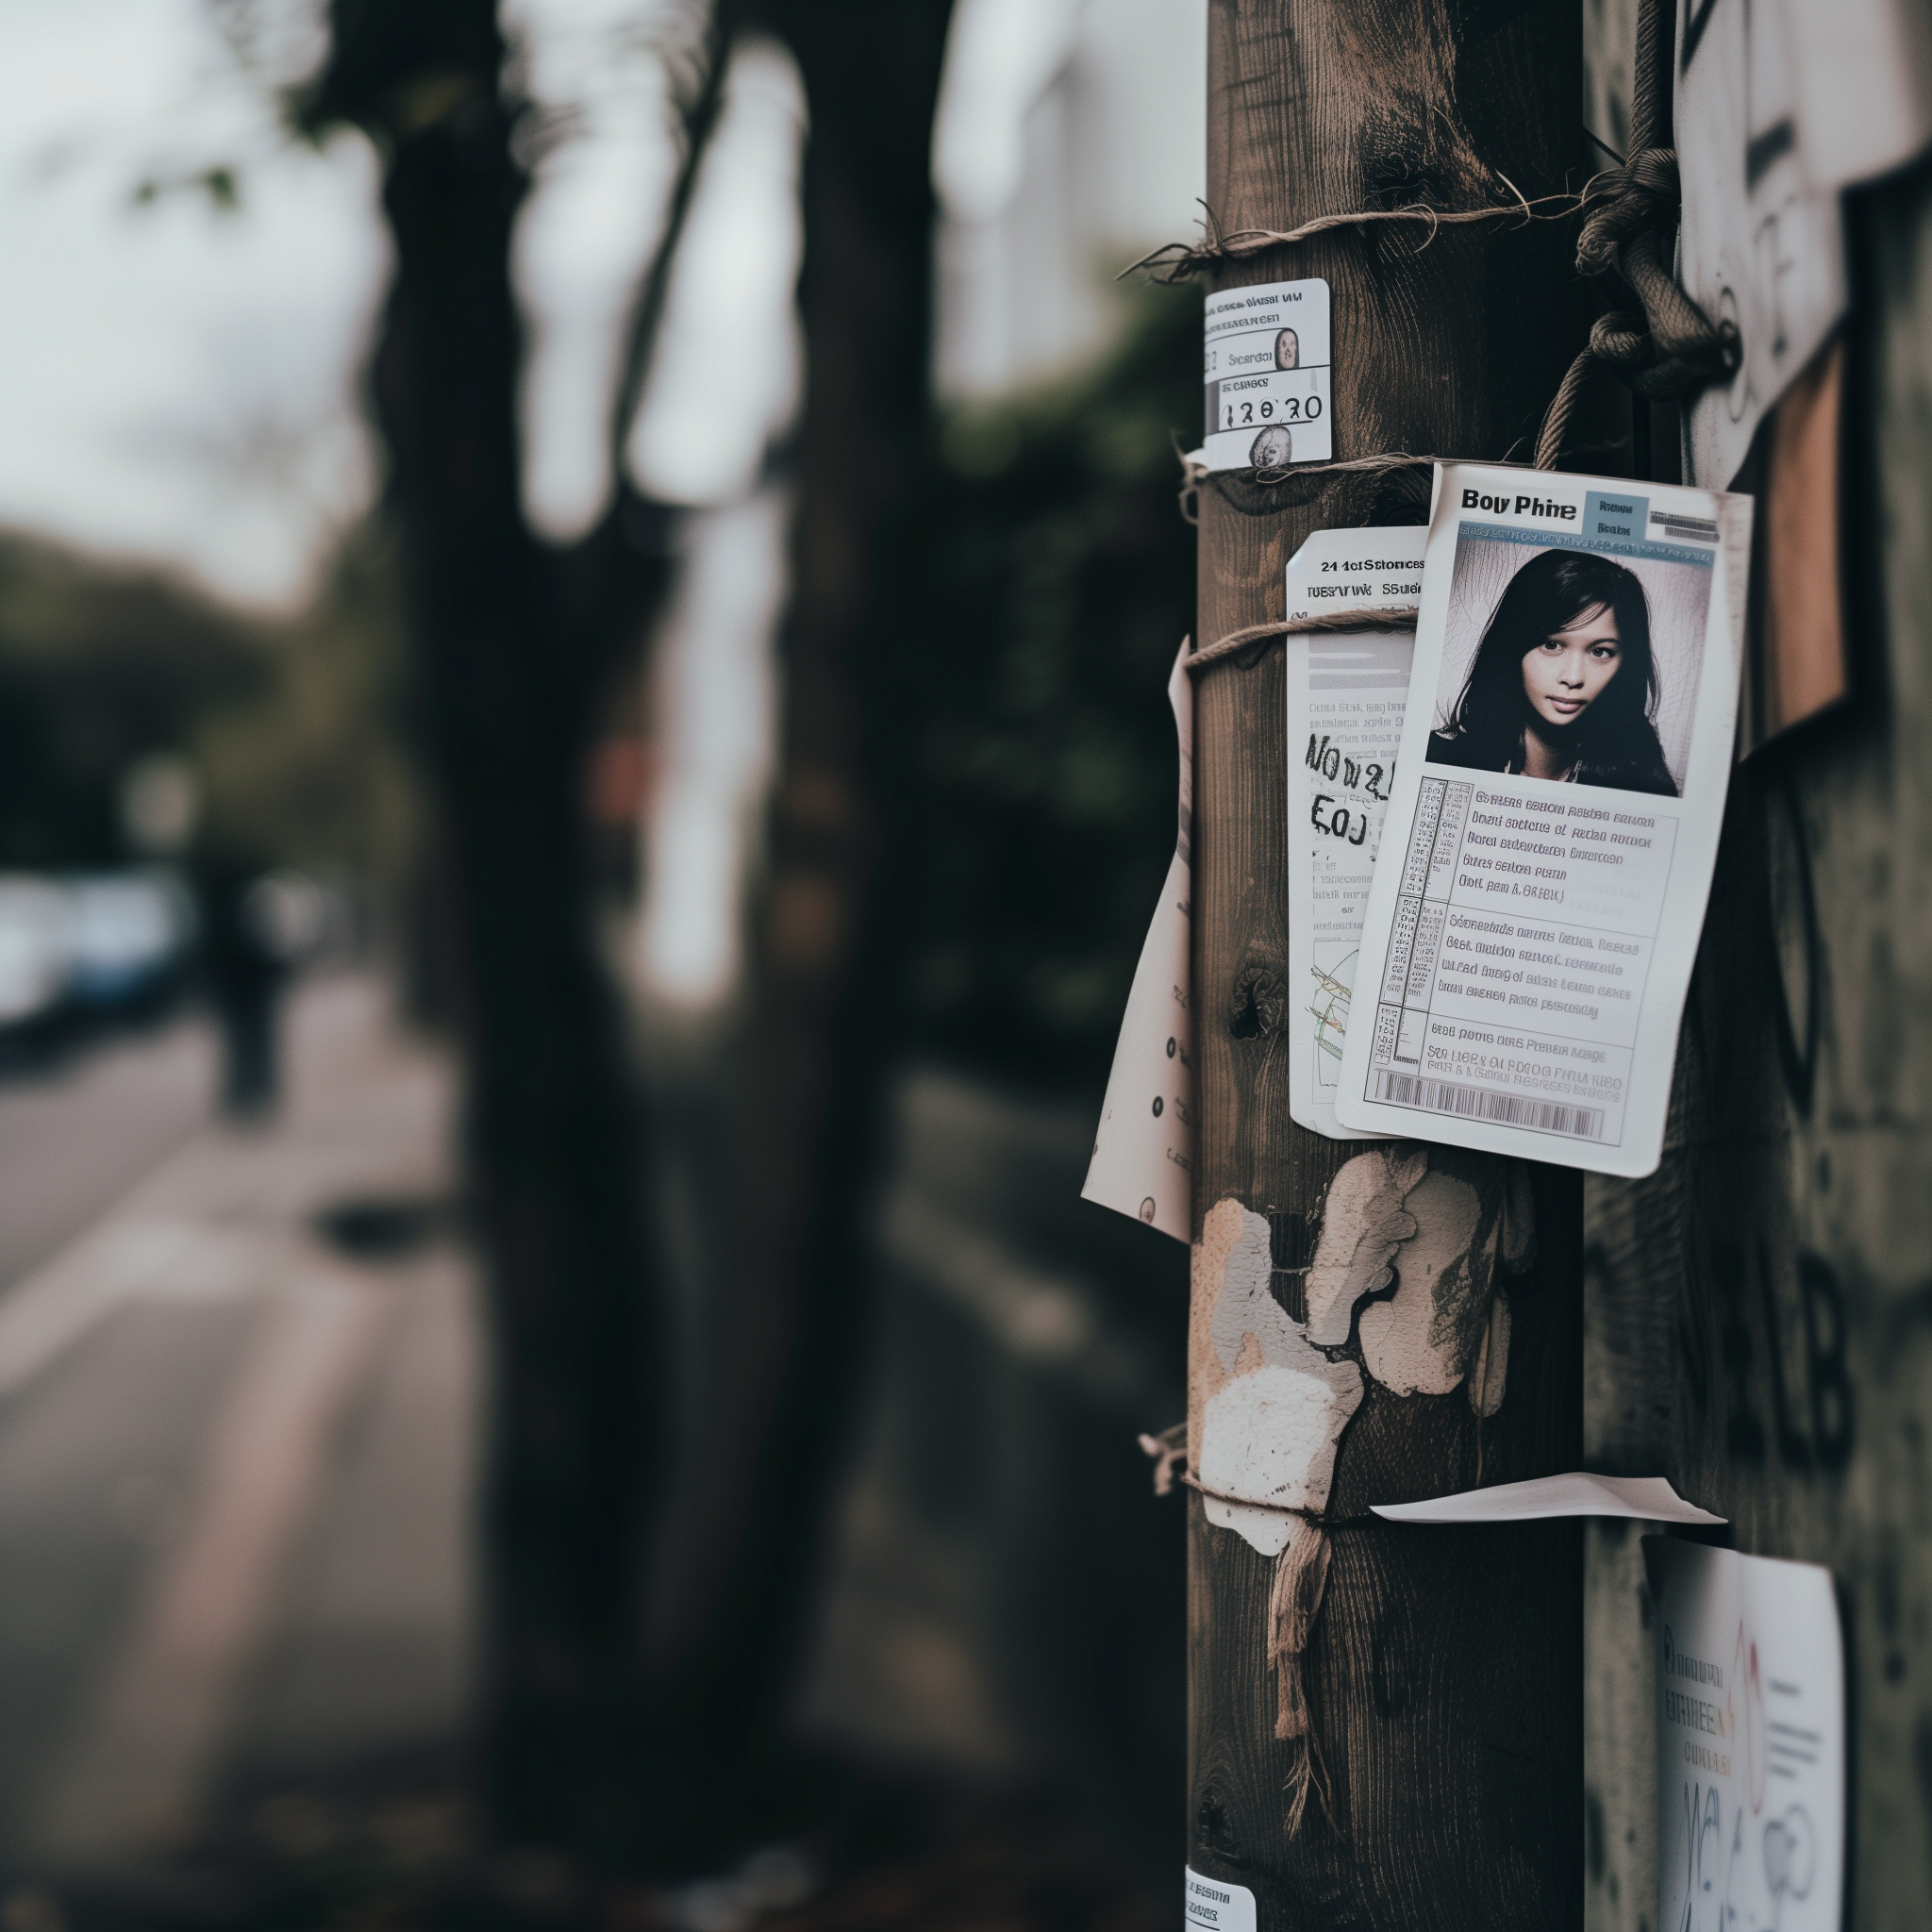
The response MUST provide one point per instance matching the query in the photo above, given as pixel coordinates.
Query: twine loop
(1326, 621)
(1176, 261)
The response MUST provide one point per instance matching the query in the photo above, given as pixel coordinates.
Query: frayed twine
(1301, 1576)
(1294, 1604)
(1176, 261)
(1170, 1453)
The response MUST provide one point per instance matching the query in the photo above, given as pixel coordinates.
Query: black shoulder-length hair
(1615, 740)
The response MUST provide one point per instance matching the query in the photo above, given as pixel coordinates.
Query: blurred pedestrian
(259, 930)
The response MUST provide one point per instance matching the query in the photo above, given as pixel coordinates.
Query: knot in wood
(1258, 1003)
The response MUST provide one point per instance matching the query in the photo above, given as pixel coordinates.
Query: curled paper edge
(1647, 1498)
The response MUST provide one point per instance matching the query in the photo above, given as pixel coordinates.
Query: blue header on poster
(1600, 532)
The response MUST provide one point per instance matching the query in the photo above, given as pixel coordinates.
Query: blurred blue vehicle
(129, 937)
(36, 927)
(90, 944)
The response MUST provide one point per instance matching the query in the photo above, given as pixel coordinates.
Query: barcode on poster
(1480, 1103)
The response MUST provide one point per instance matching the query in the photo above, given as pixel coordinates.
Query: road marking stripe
(134, 1775)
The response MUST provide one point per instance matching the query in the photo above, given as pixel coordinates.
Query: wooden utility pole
(1440, 1746)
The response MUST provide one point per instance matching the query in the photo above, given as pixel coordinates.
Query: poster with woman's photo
(1541, 887)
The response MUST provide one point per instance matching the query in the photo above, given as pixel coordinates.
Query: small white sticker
(1214, 1905)
(1347, 694)
(1751, 1742)
(1266, 365)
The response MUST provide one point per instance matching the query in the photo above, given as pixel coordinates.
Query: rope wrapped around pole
(1671, 347)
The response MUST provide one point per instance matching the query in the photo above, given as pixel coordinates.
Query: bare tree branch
(699, 100)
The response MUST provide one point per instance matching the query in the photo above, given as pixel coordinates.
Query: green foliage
(97, 668)
(310, 768)
(1056, 579)
(291, 726)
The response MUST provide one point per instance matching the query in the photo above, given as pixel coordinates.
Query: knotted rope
(1671, 348)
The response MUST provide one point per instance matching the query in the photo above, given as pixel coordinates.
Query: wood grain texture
(1444, 1673)
(1761, 1310)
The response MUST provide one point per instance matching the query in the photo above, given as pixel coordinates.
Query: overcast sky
(174, 380)
(178, 380)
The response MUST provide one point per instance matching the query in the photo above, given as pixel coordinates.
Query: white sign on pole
(1750, 1743)
(1780, 105)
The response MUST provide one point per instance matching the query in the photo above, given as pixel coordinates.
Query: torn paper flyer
(1537, 906)
(1266, 364)
(1145, 1148)
(1751, 1742)
(1580, 1492)
(1346, 691)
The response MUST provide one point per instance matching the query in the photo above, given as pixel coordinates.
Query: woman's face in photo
(1567, 673)
(1288, 350)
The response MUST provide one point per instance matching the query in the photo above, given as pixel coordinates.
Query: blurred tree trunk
(822, 999)
(511, 644)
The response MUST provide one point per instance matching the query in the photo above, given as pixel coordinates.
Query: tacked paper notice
(1780, 105)
(1266, 359)
(1144, 1151)
(1751, 1742)
(1346, 691)
(1537, 903)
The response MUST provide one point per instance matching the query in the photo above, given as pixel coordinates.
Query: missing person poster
(1265, 360)
(1538, 901)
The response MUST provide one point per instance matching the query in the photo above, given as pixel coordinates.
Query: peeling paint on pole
(1405, 1284)
(1266, 1407)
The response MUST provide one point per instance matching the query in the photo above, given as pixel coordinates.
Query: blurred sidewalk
(235, 1441)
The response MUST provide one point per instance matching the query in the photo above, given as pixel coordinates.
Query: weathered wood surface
(1761, 1310)
(1444, 1669)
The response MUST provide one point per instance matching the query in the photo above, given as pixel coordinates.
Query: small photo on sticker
(1274, 449)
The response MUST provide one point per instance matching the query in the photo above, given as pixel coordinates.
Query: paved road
(74, 1137)
(234, 1460)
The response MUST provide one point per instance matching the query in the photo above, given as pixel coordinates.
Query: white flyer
(1536, 911)
(1266, 359)
(1143, 1149)
(1750, 1743)
(1780, 105)
(1346, 691)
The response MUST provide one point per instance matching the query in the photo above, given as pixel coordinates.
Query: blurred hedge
(1055, 580)
(291, 725)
